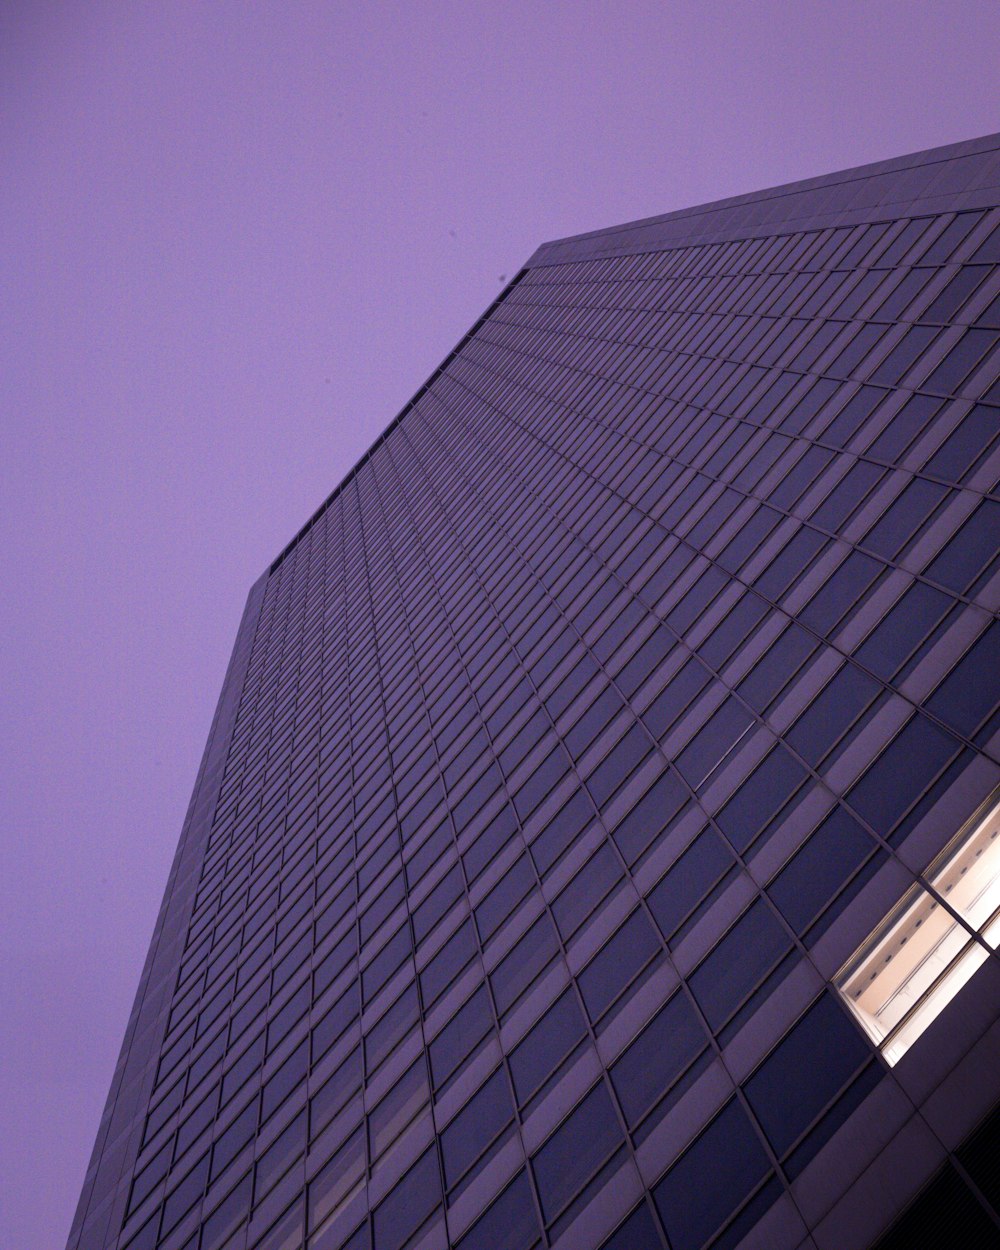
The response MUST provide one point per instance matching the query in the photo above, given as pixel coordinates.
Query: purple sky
(237, 238)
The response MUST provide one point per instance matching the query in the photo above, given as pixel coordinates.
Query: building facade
(595, 845)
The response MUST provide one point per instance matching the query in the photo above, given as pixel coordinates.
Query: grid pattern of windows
(647, 644)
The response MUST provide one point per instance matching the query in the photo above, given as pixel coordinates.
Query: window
(648, 819)
(618, 765)
(760, 797)
(637, 1233)
(479, 1123)
(919, 958)
(819, 868)
(753, 947)
(451, 959)
(960, 562)
(661, 1053)
(408, 1205)
(805, 1072)
(586, 890)
(524, 964)
(389, 1117)
(575, 1151)
(549, 1041)
(712, 1179)
(725, 728)
(694, 876)
(618, 962)
(510, 1222)
(334, 1092)
(831, 712)
(901, 773)
(460, 1037)
(912, 618)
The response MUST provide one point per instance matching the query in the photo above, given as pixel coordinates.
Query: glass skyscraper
(595, 845)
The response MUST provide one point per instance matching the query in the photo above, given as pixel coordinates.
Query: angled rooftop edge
(944, 179)
(957, 176)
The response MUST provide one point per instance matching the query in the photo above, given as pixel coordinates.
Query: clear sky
(236, 237)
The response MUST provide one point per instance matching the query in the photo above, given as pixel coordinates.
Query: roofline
(935, 180)
(410, 404)
(969, 177)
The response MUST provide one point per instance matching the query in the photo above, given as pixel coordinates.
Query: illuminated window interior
(918, 959)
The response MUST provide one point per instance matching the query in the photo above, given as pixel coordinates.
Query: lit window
(918, 959)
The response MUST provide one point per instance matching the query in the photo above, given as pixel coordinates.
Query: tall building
(595, 845)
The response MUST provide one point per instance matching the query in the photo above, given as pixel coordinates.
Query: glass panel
(918, 959)
(967, 874)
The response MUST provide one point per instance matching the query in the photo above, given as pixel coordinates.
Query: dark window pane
(705, 862)
(845, 1105)
(586, 890)
(904, 517)
(956, 232)
(818, 869)
(505, 895)
(897, 778)
(766, 790)
(735, 631)
(617, 962)
(390, 1116)
(480, 1120)
(944, 307)
(645, 660)
(232, 1141)
(490, 842)
(637, 1233)
(751, 948)
(904, 427)
(790, 563)
(710, 745)
(408, 1205)
(675, 696)
(593, 722)
(644, 823)
(525, 963)
(971, 438)
(391, 1028)
(715, 1175)
(852, 416)
(279, 1086)
(460, 1036)
(575, 1151)
(903, 356)
(840, 593)
(971, 690)
(776, 667)
(540, 784)
(657, 1057)
(948, 377)
(959, 563)
(619, 764)
(908, 623)
(509, 1224)
(337, 1178)
(550, 1040)
(451, 959)
(831, 712)
(227, 1216)
(335, 1091)
(561, 832)
(185, 1194)
(804, 1071)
